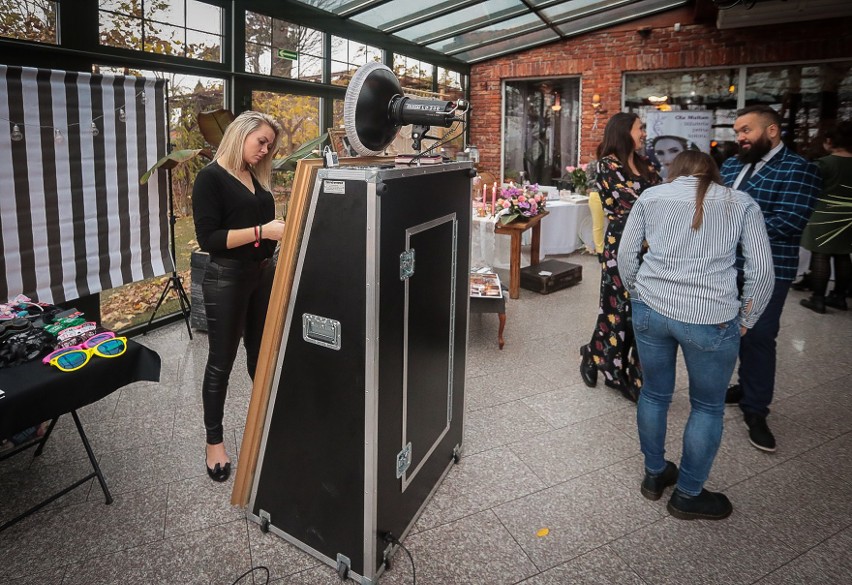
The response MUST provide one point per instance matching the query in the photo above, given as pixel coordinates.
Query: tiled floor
(541, 451)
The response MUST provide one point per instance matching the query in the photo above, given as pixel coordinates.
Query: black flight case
(367, 404)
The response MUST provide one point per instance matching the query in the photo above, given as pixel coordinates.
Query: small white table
(567, 228)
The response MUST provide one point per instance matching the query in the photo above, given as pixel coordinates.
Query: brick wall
(601, 57)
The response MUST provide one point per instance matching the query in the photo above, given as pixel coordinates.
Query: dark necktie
(747, 176)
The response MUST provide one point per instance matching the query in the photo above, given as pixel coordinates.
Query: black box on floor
(557, 275)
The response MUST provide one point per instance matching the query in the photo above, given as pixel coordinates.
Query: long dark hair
(618, 142)
(694, 163)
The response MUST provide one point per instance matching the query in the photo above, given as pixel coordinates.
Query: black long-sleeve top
(220, 202)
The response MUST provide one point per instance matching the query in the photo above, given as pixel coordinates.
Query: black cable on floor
(250, 571)
(393, 540)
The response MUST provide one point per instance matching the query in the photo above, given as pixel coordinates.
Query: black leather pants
(236, 297)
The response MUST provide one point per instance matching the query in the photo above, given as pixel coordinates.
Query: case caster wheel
(343, 572)
(456, 458)
(264, 525)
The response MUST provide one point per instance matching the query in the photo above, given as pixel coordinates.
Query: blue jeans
(710, 353)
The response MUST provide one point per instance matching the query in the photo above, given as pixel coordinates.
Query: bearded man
(785, 186)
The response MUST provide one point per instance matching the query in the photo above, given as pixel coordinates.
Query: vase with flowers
(578, 179)
(520, 202)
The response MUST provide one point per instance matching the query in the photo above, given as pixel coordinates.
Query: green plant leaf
(304, 151)
(174, 159)
(509, 218)
(212, 125)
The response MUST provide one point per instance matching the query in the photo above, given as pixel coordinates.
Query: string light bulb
(144, 98)
(16, 133)
(122, 115)
(95, 130)
(57, 136)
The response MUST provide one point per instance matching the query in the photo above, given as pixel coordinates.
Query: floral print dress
(613, 347)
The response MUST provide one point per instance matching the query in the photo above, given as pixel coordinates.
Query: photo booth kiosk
(367, 405)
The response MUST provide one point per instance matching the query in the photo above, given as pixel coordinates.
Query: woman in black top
(235, 222)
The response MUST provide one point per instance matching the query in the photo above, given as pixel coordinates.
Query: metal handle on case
(321, 331)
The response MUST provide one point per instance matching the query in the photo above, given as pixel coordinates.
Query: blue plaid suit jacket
(785, 188)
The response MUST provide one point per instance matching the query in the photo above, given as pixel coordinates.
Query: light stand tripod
(174, 281)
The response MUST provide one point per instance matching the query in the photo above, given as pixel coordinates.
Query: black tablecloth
(34, 392)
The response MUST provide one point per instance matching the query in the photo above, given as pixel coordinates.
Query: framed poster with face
(670, 133)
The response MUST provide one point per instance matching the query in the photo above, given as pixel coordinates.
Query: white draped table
(566, 229)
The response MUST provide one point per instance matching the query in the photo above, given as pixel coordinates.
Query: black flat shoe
(588, 370)
(219, 473)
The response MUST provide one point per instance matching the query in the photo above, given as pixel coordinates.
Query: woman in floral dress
(622, 174)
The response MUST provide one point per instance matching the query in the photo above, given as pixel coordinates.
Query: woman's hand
(274, 230)
(743, 330)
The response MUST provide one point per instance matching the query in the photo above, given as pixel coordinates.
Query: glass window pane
(339, 49)
(122, 7)
(329, 5)
(169, 11)
(577, 8)
(507, 46)
(706, 89)
(258, 28)
(258, 59)
(541, 129)
(809, 98)
(29, 21)
(374, 55)
(204, 17)
(204, 46)
(120, 31)
(286, 35)
(341, 73)
(310, 68)
(465, 18)
(164, 39)
(396, 12)
(492, 33)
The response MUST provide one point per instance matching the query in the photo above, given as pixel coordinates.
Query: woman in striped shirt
(684, 293)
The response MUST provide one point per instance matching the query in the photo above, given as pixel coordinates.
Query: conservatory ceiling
(476, 30)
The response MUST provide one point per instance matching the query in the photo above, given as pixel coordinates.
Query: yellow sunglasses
(74, 358)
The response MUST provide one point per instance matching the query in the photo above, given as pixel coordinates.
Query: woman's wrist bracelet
(256, 237)
(261, 234)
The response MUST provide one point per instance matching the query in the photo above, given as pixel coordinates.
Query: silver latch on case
(406, 264)
(321, 331)
(403, 460)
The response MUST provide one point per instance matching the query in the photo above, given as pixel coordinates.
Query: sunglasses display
(105, 345)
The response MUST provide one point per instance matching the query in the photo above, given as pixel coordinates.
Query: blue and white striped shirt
(690, 275)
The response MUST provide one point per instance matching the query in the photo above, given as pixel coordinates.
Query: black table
(34, 392)
(492, 305)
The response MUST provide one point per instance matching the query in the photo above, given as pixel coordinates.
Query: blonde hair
(230, 152)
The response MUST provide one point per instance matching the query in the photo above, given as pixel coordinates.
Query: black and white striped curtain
(74, 219)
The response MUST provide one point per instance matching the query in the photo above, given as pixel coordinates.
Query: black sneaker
(734, 394)
(653, 485)
(759, 434)
(704, 506)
